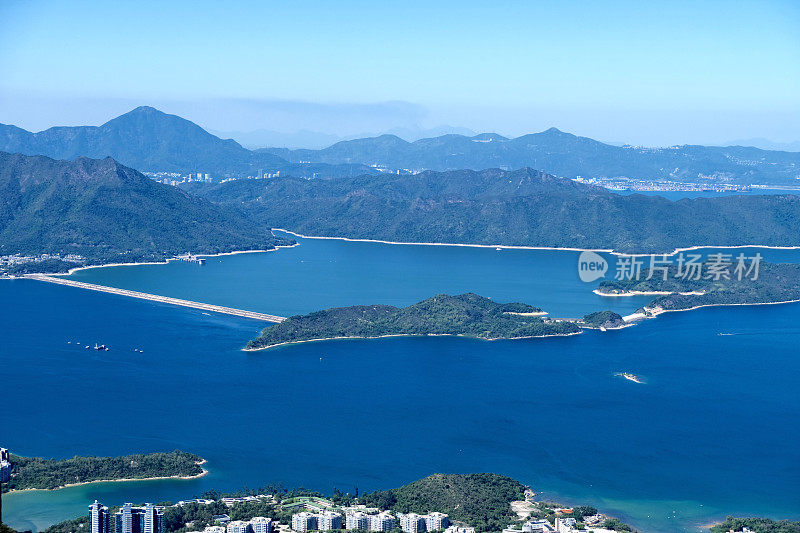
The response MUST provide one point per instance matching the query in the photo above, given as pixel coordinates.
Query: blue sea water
(712, 431)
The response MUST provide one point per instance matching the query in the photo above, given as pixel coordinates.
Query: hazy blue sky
(643, 72)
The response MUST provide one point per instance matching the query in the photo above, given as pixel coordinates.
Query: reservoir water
(712, 431)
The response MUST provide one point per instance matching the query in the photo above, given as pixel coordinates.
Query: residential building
(153, 519)
(382, 522)
(329, 521)
(99, 518)
(147, 519)
(260, 524)
(214, 529)
(5, 471)
(238, 526)
(128, 519)
(565, 525)
(436, 521)
(456, 529)
(536, 526)
(302, 522)
(411, 522)
(356, 520)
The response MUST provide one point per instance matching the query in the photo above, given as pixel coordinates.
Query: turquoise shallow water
(712, 432)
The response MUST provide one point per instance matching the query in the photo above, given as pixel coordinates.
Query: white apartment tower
(329, 521)
(99, 518)
(153, 519)
(381, 522)
(238, 526)
(436, 521)
(260, 524)
(357, 520)
(302, 522)
(411, 522)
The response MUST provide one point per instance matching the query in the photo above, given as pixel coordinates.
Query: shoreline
(524, 247)
(204, 472)
(653, 312)
(142, 263)
(644, 293)
(286, 343)
(168, 260)
(462, 245)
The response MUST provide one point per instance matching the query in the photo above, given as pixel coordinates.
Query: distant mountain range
(563, 154)
(314, 139)
(766, 144)
(152, 141)
(522, 207)
(107, 212)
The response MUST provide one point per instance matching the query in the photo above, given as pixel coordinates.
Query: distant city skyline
(655, 74)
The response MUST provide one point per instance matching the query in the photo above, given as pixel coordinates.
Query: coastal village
(311, 513)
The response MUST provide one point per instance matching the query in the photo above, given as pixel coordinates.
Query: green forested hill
(523, 207)
(469, 315)
(108, 212)
(481, 500)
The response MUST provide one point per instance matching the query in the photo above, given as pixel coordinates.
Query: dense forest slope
(496, 207)
(107, 212)
(564, 154)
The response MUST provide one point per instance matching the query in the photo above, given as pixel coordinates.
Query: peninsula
(756, 525)
(775, 283)
(466, 315)
(37, 473)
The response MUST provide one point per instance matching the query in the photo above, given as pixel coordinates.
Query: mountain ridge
(563, 154)
(107, 212)
(153, 141)
(524, 207)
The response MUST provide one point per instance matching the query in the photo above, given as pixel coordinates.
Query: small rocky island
(774, 283)
(603, 320)
(466, 315)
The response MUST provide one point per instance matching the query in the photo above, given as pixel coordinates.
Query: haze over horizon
(650, 75)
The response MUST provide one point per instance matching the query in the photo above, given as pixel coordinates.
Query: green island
(38, 473)
(467, 315)
(776, 282)
(474, 316)
(757, 525)
(488, 502)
